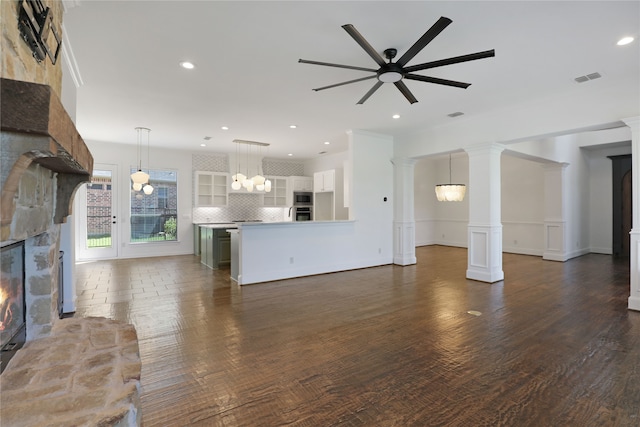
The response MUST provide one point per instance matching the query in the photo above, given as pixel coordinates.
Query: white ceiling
(247, 75)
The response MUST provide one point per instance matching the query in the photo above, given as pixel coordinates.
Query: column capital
(554, 165)
(633, 123)
(403, 161)
(485, 147)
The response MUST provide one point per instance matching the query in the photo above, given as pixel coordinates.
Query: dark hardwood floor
(554, 344)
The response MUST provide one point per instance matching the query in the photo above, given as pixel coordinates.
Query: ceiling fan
(395, 72)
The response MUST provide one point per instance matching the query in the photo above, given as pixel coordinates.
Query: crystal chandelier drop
(450, 192)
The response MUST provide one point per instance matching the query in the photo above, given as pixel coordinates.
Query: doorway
(622, 211)
(97, 221)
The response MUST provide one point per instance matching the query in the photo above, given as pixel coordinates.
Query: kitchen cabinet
(301, 183)
(206, 246)
(215, 246)
(298, 184)
(212, 189)
(278, 194)
(324, 181)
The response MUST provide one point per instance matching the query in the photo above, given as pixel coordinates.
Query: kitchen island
(270, 251)
(212, 244)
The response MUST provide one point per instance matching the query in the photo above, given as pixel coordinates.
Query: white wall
(522, 194)
(445, 223)
(278, 251)
(124, 157)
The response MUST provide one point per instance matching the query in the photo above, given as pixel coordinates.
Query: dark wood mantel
(35, 127)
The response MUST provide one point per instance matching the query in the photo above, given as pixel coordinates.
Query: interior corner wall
(522, 213)
(372, 177)
(424, 197)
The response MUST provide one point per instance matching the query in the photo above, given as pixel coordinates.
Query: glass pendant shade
(236, 185)
(258, 180)
(239, 178)
(139, 177)
(450, 192)
(267, 185)
(249, 186)
(137, 186)
(148, 189)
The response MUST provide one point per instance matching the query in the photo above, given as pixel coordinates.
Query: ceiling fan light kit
(396, 72)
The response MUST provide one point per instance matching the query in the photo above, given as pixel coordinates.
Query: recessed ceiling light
(290, 154)
(203, 145)
(327, 143)
(625, 40)
(396, 116)
(188, 65)
(224, 128)
(293, 126)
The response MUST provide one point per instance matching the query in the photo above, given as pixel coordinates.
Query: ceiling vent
(588, 77)
(456, 114)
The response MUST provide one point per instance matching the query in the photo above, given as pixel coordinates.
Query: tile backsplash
(241, 206)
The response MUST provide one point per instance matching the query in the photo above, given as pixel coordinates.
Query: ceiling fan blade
(449, 61)
(364, 44)
(350, 67)
(406, 92)
(368, 94)
(345, 83)
(437, 81)
(426, 38)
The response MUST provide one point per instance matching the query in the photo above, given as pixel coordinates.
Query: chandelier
(450, 192)
(141, 179)
(258, 181)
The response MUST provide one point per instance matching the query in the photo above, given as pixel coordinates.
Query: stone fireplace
(76, 371)
(44, 159)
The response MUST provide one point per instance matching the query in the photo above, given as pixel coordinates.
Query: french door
(97, 230)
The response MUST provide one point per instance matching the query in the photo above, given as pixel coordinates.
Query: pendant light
(450, 192)
(238, 178)
(141, 179)
(258, 181)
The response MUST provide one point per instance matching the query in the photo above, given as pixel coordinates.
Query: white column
(634, 293)
(555, 212)
(404, 224)
(484, 259)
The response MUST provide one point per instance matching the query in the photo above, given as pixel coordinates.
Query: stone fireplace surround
(77, 371)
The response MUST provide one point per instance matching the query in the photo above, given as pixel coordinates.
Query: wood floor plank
(554, 344)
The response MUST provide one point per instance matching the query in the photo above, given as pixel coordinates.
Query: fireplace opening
(12, 301)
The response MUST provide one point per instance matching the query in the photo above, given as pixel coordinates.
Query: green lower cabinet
(215, 247)
(222, 257)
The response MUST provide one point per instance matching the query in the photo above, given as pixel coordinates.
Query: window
(154, 216)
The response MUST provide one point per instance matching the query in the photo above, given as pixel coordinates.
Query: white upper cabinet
(301, 183)
(211, 189)
(278, 194)
(324, 181)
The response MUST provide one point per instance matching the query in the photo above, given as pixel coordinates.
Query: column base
(484, 259)
(404, 247)
(634, 273)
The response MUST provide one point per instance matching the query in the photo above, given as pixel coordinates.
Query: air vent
(588, 77)
(207, 138)
(456, 114)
